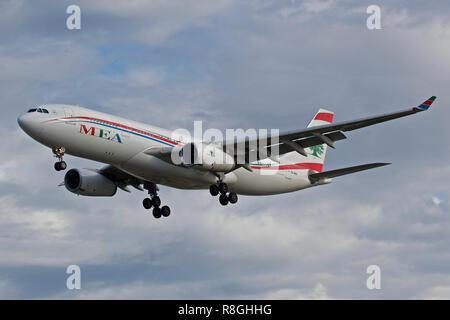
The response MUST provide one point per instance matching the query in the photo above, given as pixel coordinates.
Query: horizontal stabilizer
(341, 172)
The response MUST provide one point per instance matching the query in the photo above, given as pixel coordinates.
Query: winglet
(426, 104)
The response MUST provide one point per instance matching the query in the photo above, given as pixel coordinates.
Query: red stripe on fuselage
(120, 126)
(324, 116)
(294, 166)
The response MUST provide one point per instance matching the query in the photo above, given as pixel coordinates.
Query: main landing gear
(224, 198)
(154, 201)
(58, 152)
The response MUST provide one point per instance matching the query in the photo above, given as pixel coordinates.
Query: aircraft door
(68, 113)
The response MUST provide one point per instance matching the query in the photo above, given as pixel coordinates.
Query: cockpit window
(41, 110)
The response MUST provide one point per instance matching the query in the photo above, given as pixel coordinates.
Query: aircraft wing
(297, 140)
(120, 178)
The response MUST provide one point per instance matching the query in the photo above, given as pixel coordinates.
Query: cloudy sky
(232, 64)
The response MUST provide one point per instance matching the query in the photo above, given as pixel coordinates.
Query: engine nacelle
(88, 183)
(206, 157)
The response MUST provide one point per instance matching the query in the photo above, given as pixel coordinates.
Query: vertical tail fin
(316, 154)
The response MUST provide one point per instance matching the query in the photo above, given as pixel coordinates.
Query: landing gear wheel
(214, 190)
(151, 187)
(223, 187)
(157, 212)
(232, 197)
(147, 203)
(62, 165)
(223, 199)
(58, 152)
(156, 201)
(165, 211)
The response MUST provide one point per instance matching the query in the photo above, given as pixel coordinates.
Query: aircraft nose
(28, 124)
(21, 120)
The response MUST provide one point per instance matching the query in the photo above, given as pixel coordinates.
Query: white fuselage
(120, 142)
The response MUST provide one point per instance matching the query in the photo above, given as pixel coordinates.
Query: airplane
(141, 156)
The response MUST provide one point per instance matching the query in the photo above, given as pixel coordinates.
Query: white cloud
(45, 62)
(317, 6)
(9, 9)
(145, 77)
(441, 292)
(161, 19)
(396, 19)
(7, 289)
(436, 200)
(319, 292)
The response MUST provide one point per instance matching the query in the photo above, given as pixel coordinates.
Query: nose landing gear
(224, 198)
(58, 152)
(154, 201)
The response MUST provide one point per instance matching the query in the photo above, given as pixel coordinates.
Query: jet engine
(88, 183)
(208, 157)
